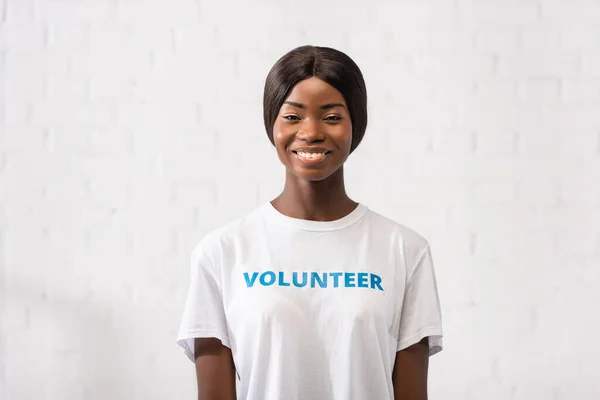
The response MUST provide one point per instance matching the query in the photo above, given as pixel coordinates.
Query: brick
(481, 117)
(80, 114)
(455, 65)
(580, 240)
(67, 37)
(496, 40)
(25, 88)
(189, 166)
(555, 219)
(577, 190)
(18, 137)
(59, 188)
(414, 14)
(495, 143)
(419, 218)
(452, 142)
(420, 116)
(195, 193)
(109, 190)
(242, 193)
(162, 242)
(404, 40)
(449, 92)
(22, 164)
(189, 38)
(22, 11)
(405, 89)
(463, 167)
(157, 115)
(449, 39)
(591, 65)
(493, 192)
(537, 191)
(580, 90)
(580, 38)
(110, 63)
(579, 12)
(105, 87)
(541, 39)
(64, 139)
(409, 142)
(381, 41)
(499, 217)
(495, 91)
(156, 12)
(488, 14)
(413, 193)
(538, 91)
(539, 65)
(89, 166)
(61, 11)
(130, 37)
(576, 117)
(151, 191)
(67, 88)
(28, 34)
(111, 141)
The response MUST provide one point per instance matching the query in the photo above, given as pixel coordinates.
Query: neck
(324, 200)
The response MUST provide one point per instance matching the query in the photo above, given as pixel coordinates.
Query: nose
(310, 132)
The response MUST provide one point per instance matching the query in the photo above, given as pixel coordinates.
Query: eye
(333, 118)
(290, 117)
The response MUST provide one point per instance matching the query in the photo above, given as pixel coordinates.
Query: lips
(311, 150)
(311, 156)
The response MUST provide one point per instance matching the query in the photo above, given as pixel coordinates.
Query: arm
(409, 376)
(215, 371)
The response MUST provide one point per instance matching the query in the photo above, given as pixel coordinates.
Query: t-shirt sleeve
(203, 313)
(421, 312)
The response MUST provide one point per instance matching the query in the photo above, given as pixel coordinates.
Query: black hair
(330, 65)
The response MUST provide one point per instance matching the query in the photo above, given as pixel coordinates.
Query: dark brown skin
(215, 371)
(410, 372)
(313, 192)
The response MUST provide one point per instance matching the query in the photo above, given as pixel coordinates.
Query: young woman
(312, 296)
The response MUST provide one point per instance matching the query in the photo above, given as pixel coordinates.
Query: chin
(314, 175)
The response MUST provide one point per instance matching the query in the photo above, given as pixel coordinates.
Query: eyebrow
(323, 107)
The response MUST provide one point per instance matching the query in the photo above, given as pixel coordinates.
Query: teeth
(310, 155)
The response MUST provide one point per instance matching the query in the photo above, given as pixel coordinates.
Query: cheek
(280, 141)
(344, 137)
(278, 134)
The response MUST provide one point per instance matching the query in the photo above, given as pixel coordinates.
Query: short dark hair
(329, 65)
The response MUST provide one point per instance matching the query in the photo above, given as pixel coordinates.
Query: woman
(312, 296)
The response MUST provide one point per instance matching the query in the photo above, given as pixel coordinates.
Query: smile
(310, 158)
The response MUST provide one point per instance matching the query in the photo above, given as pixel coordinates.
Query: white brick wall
(131, 128)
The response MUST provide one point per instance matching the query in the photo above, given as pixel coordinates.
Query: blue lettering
(250, 281)
(350, 279)
(314, 277)
(295, 279)
(376, 281)
(362, 279)
(336, 276)
(263, 278)
(282, 282)
(317, 279)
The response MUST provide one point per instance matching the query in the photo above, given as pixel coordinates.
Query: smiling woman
(313, 94)
(312, 295)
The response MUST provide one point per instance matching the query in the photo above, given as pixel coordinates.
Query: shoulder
(411, 243)
(211, 244)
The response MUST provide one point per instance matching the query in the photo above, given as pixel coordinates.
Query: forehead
(314, 90)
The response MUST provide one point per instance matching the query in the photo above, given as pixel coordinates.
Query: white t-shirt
(312, 310)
